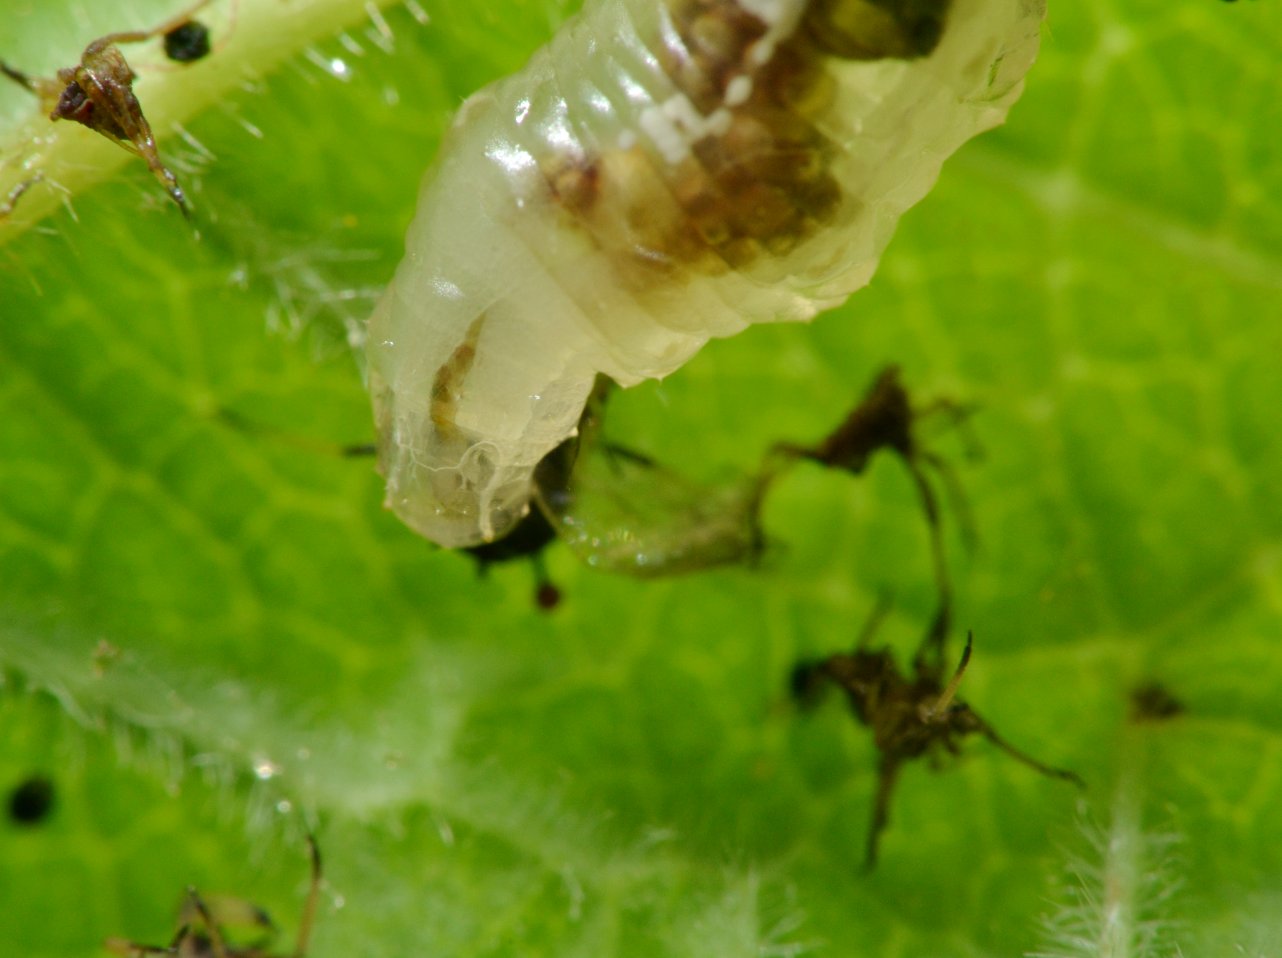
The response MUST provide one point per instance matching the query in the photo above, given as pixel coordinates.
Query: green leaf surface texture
(213, 639)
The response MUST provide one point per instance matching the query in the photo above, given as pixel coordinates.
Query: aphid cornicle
(663, 172)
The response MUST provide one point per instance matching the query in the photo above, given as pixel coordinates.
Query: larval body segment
(660, 174)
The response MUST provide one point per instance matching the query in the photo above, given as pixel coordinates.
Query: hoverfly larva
(661, 173)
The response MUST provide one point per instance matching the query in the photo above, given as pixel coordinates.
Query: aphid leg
(131, 949)
(313, 899)
(946, 708)
(243, 424)
(217, 946)
(957, 498)
(887, 777)
(990, 733)
(40, 87)
(138, 36)
(931, 652)
(873, 622)
(884, 419)
(546, 594)
(620, 454)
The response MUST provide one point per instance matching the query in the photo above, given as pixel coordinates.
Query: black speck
(187, 42)
(1153, 702)
(31, 802)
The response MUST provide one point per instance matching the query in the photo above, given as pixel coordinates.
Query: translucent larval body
(663, 172)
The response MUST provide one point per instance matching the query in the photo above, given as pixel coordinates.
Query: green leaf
(213, 639)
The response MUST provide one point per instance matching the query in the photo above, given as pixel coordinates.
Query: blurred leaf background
(213, 639)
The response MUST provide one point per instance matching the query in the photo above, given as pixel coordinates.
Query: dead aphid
(187, 42)
(98, 93)
(527, 540)
(910, 716)
(1152, 702)
(621, 511)
(31, 801)
(201, 924)
(885, 419)
(713, 164)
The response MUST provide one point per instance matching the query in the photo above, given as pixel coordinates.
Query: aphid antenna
(323, 447)
(1023, 757)
(308, 918)
(931, 652)
(216, 942)
(620, 454)
(887, 777)
(138, 36)
(956, 416)
(875, 618)
(21, 78)
(957, 498)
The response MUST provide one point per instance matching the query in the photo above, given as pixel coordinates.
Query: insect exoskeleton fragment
(98, 91)
(203, 928)
(662, 173)
(887, 419)
(620, 510)
(911, 716)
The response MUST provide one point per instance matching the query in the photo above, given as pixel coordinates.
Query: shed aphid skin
(621, 511)
(910, 716)
(98, 93)
(886, 419)
(662, 173)
(202, 926)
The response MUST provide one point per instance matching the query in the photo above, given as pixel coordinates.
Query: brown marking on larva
(762, 185)
(716, 36)
(98, 94)
(575, 184)
(447, 387)
(1153, 702)
(876, 29)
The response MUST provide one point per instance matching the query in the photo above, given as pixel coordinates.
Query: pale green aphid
(662, 173)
